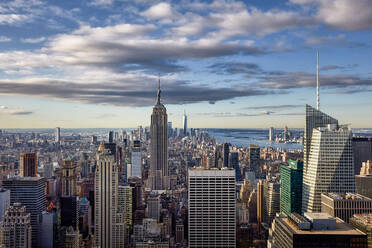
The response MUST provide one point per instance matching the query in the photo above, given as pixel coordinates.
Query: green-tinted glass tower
(291, 187)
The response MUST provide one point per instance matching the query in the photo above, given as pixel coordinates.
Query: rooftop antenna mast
(317, 81)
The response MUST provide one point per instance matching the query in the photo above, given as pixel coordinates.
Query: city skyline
(227, 63)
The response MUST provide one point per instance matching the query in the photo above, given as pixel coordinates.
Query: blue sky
(233, 64)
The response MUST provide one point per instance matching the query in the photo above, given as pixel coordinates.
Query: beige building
(15, 229)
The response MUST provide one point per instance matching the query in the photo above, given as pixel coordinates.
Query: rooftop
(347, 196)
(342, 228)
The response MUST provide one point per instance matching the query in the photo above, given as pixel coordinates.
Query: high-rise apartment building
(254, 158)
(330, 166)
(4, 201)
(136, 168)
(159, 174)
(30, 192)
(57, 135)
(184, 121)
(28, 165)
(106, 218)
(344, 206)
(153, 207)
(291, 187)
(15, 228)
(212, 208)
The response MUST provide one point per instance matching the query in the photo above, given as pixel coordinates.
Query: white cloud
(159, 11)
(322, 39)
(33, 40)
(5, 39)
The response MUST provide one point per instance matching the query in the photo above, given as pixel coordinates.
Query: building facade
(344, 206)
(28, 165)
(291, 187)
(212, 208)
(330, 166)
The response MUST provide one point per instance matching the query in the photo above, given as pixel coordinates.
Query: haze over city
(229, 64)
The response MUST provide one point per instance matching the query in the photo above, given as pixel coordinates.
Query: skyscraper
(4, 201)
(271, 134)
(30, 192)
(212, 208)
(330, 165)
(57, 134)
(159, 177)
(291, 187)
(254, 158)
(69, 177)
(136, 169)
(15, 228)
(272, 200)
(362, 150)
(225, 154)
(234, 163)
(28, 165)
(260, 202)
(314, 119)
(184, 124)
(105, 199)
(111, 136)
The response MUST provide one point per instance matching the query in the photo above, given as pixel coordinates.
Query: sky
(228, 64)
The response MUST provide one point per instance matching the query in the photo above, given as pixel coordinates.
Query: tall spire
(159, 93)
(317, 81)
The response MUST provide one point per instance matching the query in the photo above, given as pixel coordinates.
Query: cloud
(101, 2)
(235, 68)
(3, 107)
(12, 18)
(33, 40)
(282, 106)
(21, 112)
(5, 39)
(123, 90)
(159, 11)
(346, 15)
(323, 39)
(15, 111)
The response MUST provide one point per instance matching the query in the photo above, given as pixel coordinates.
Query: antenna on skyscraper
(317, 80)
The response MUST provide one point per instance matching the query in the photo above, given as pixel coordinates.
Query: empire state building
(159, 175)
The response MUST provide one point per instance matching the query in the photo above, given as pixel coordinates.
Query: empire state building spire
(159, 94)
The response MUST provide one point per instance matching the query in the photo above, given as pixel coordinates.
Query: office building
(184, 121)
(362, 151)
(72, 238)
(363, 182)
(153, 207)
(30, 192)
(48, 170)
(28, 165)
(314, 119)
(48, 224)
(363, 222)
(15, 228)
(344, 206)
(107, 224)
(57, 135)
(260, 202)
(111, 137)
(212, 208)
(272, 200)
(291, 187)
(125, 207)
(170, 129)
(136, 168)
(234, 163)
(330, 166)
(271, 134)
(159, 174)
(254, 159)
(4, 201)
(69, 177)
(84, 165)
(225, 154)
(316, 230)
(70, 211)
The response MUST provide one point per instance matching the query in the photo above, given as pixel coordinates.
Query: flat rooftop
(342, 228)
(347, 196)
